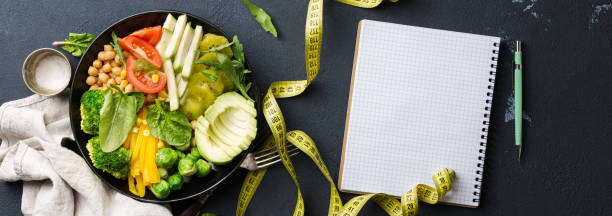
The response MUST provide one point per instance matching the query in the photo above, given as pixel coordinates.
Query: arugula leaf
(212, 77)
(237, 77)
(206, 62)
(117, 116)
(237, 49)
(172, 127)
(217, 48)
(76, 43)
(261, 17)
(117, 47)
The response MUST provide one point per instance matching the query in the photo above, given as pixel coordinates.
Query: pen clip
(512, 72)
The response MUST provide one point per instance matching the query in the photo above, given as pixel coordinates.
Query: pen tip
(519, 153)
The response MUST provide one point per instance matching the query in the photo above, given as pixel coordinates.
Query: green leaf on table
(261, 17)
(117, 116)
(76, 43)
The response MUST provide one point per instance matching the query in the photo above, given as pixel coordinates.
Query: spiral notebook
(419, 101)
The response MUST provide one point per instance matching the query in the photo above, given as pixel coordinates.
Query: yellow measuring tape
(276, 122)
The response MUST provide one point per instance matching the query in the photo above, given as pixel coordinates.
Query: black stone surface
(568, 61)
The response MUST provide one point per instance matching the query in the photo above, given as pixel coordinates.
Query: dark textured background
(568, 61)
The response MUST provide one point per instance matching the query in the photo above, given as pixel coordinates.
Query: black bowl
(197, 186)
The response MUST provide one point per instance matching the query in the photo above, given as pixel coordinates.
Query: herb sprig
(234, 69)
(117, 48)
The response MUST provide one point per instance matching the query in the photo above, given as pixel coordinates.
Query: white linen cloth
(57, 181)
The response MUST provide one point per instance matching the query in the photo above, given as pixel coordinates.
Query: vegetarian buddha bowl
(163, 106)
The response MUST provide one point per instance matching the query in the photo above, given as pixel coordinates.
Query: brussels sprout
(195, 154)
(186, 167)
(166, 158)
(203, 168)
(175, 181)
(180, 154)
(163, 172)
(160, 190)
(183, 147)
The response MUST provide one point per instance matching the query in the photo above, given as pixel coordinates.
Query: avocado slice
(227, 128)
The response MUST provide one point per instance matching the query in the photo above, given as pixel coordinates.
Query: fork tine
(267, 152)
(276, 161)
(276, 156)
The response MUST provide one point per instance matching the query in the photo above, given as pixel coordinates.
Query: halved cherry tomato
(141, 49)
(152, 35)
(142, 81)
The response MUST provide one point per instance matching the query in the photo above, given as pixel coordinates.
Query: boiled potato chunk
(212, 40)
(201, 93)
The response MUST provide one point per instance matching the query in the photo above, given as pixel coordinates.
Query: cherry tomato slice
(141, 49)
(142, 81)
(151, 35)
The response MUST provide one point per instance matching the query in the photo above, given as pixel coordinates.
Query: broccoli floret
(117, 162)
(91, 103)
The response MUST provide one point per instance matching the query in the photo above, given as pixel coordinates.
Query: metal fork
(266, 157)
(253, 161)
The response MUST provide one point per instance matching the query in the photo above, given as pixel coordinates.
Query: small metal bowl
(29, 71)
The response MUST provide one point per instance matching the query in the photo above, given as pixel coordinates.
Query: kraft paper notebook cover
(419, 101)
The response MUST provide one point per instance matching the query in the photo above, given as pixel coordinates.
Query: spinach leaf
(76, 43)
(117, 116)
(172, 127)
(261, 17)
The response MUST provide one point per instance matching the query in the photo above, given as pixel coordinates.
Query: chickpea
(111, 81)
(101, 56)
(91, 80)
(106, 68)
(117, 79)
(97, 64)
(114, 64)
(99, 83)
(94, 87)
(103, 77)
(108, 47)
(118, 60)
(116, 71)
(109, 55)
(129, 88)
(92, 71)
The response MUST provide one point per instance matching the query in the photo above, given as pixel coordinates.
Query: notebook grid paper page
(418, 104)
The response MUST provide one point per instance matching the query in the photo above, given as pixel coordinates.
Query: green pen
(518, 98)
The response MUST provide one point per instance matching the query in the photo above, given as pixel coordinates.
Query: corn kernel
(123, 84)
(123, 73)
(146, 132)
(162, 95)
(155, 78)
(160, 144)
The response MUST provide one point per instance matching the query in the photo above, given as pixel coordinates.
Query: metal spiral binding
(485, 123)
